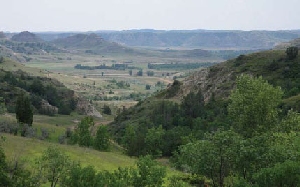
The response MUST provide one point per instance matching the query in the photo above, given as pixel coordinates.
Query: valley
(107, 105)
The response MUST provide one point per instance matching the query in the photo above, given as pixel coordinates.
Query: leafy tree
(4, 179)
(148, 173)
(130, 72)
(154, 141)
(129, 140)
(140, 73)
(253, 105)
(24, 112)
(80, 177)
(37, 87)
(193, 105)
(2, 106)
(82, 134)
(1, 59)
(282, 174)
(106, 110)
(53, 165)
(291, 52)
(101, 141)
(214, 157)
(148, 87)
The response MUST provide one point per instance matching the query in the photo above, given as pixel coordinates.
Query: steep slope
(272, 65)
(26, 36)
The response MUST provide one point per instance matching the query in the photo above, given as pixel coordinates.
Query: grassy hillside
(28, 149)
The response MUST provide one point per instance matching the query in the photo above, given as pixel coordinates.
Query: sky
(92, 15)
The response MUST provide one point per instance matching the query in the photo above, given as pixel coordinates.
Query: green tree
(282, 174)
(106, 110)
(214, 157)
(1, 59)
(253, 105)
(53, 165)
(101, 141)
(2, 106)
(4, 179)
(154, 141)
(148, 87)
(82, 134)
(193, 105)
(149, 173)
(140, 73)
(80, 177)
(24, 112)
(291, 52)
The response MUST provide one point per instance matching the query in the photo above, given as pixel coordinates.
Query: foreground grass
(29, 150)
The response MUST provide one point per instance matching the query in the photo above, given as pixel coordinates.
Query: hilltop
(26, 36)
(91, 43)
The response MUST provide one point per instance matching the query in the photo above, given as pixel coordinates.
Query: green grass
(30, 149)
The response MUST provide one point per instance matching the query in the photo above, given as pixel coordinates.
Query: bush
(44, 134)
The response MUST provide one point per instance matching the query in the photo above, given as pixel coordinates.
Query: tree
(106, 110)
(253, 105)
(82, 134)
(101, 141)
(154, 141)
(148, 87)
(213, 157)
(282, 174)
(291, 52)
(4, 180)
(148, 173)
(140, 73)
(2, 106)
(130, 72)
(193, 105)
(1, 59)
(24, 112)
(53, 165)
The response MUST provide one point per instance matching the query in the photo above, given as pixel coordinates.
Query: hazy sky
(91, 15)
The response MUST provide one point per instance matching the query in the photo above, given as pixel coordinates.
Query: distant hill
(2, 35)
(91, 43)
(26, 37)
(25, 43)
(204, 39)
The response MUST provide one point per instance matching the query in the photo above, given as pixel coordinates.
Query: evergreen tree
(24, 112)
